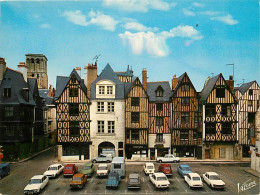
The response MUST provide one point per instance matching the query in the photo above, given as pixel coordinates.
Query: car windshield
(186, 169)
(112, 178)
(133, 180)
(76, 178)
(214, 177)
(69, 168)
(102, 168)
(167, 168)
(196, 179)
(161, 178)
(52, 168)
(87, 167)
(150, 167)
(35, 181)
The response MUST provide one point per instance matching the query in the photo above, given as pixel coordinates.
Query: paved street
(22, 172)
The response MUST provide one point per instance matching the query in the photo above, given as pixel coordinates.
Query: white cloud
(139, 6)
(228, 19)
(155, 43)
(195, 4)
(188, 12)
(138, 27)
(45, 26)
(94, 18)
(209, 13)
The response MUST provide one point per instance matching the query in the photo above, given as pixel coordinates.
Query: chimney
(78, 70)
(23, 69)
(144, 74)
(2, 68)
(230, 83)
(90, 75)
(174, 82)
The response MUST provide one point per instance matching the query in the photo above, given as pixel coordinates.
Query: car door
(207, 179)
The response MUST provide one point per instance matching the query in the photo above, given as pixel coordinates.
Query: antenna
(96, 58)
(233, 70)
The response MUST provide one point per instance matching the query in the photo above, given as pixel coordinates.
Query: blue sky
(165, 37)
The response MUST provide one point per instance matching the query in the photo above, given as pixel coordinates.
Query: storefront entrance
(106, 147)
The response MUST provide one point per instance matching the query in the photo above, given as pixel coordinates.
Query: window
(159, 137)
(9, 112)
(210, 128)
(210, 110)
(251, 92)
(222, 152)
(37, 61)
(159, 107)
(120, 145)
(226, 110)
(25, 94)
(185, 87)
(195, 135)
(117, 166)
(73, 109)
(111, 126)
(251, 117)
(110, 106)
(109, 90)
(220, 92)
(135, 135)
(74, 128)
(7, 92)
(32, 75)
(100, 106)
(101, 126)
(70, 150)
(196, 117)
(101, 90)
(185, 117)
(9, 131)
(184, 135)
(159, 121)
(73, 79)
(73, 92)
(135, 101)
(250, 103)
(185, 101)
(135, 117)
(159, 93)
(226, 128)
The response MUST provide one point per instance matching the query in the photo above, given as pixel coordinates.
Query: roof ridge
(158, 82)
(15, 71)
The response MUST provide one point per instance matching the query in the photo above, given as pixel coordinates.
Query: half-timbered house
(107, 113)
(73, 118)
(248, 96)
(220, 120)
(186, 134)
(136, 119)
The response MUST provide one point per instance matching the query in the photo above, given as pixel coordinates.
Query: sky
(165, 37)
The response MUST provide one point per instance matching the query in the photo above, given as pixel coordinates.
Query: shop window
(220, 92)
(135, 101)
(70, 150)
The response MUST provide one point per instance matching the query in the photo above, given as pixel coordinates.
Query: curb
(254, 173)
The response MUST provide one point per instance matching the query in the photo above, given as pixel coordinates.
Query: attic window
(185, 87)
(220, 92)
(25, 93)
(73, 79)
(159, 91)
(73, 92)
(7, 92)
(250, 91)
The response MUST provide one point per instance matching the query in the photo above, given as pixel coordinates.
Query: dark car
(4, 170)
(166, 169)
(113, 180)
(70, 170)
(134, 181)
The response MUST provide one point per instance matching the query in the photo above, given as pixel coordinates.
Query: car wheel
(160, 161)
(94, 161)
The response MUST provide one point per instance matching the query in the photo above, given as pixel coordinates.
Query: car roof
(70, 165)
(37, 176)
(88, 164)
(211, 173)
(102, 165)
(118, 160)
(166, 165)
(149, 164)
(194, 174)
(184, 165)
(55, 165)
(159, 174)
(78, 175)
(133, 175)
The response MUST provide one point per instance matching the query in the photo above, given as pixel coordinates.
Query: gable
(137, 89)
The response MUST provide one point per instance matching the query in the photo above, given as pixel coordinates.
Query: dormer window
(101, 90)
(7, 92)
(25, 94)
(159, 91)
(109, 90)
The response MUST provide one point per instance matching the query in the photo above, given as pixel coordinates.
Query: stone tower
(37, 68)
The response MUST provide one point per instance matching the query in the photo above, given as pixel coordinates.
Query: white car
(149, 168)
(36, 184)
(193, 180)
(54, 170)
(159, 180)
(213, 180)
(168, 158)
(102, 170)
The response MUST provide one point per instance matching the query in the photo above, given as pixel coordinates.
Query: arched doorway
(106, 147)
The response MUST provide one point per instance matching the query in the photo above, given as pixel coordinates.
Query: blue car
(4, 170)
(113, 180)
(184, 170)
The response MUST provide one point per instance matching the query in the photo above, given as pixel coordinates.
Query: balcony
(159, 141)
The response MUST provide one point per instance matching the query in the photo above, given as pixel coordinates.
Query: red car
(70, 170)
(166, 169)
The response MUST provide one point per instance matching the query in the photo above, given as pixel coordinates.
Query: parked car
(168, 158)
(113, 180)
(103, 158)
(4, 170)
(102, 170)
(54, 170)
(70, 170)
(88, 169)
(149, 168)
(166, 169)
(118, 166)
(159, 180)
(79, 180)
(36, 184)
(134, 181)
(193, 180)
(213, 180)
(184, 170)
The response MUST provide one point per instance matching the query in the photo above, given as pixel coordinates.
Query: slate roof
(128, 72)
(244, 87)
(151, 88)
(44, 94)
(108, 74)
(127, 87)
(208, 88)
(33, 86)
(14, 80)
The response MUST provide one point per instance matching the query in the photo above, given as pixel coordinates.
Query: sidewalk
(252, 172)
